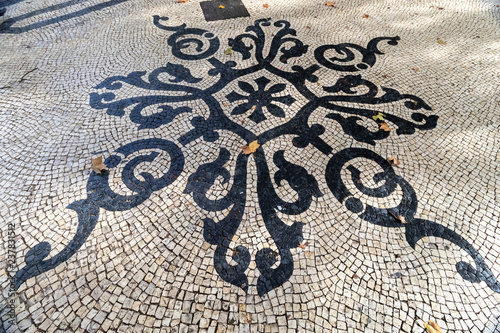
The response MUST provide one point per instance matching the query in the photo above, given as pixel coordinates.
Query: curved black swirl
(100, 195)
(285, 236)
(179, 40)
(415, 228)
(222, 232)
(345, 49)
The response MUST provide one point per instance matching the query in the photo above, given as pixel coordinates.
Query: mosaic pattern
(349, 101)
(149, 268)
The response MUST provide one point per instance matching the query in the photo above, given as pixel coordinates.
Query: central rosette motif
(257, 100)
(204, 107)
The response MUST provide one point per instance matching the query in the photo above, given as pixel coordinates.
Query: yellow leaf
(221, 7)
(251, 148)
(440, 41)
(393, 161)
(330, 4)
(385, 127)
(97, 165)
(435, 326)
(432, 327)
(181, 1)
(380, 116)
(228, 51)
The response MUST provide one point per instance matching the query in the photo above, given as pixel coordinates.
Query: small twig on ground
(28, 72)
(394, 215)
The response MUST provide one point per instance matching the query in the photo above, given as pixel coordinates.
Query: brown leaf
(393, 161)
(355, 276)
(385, 127)
(265, 5)
(415, 69)
(440, 41)
(97, 165)
(303, 245)
(366, 16)
(401, 219)
(251, 148)
(181, 1)
(330, 4)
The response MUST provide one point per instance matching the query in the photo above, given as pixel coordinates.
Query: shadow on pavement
(7, 25)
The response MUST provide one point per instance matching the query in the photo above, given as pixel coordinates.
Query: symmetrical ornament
(349, 101)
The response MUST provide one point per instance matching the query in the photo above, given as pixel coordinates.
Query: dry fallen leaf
(265, 5)
(432, 327)
(380, 116)
(251, 148)
(228, 51)
(393, 161)
(303, 245)
(415, 69)
(385, 127)
(221, 7)
(366, 16)
(440, 41)
(308, 27)
(181, 1)
(97, 165)
(330, 4)
(400, 218)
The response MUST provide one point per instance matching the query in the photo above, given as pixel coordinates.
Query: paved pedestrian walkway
(302, 166)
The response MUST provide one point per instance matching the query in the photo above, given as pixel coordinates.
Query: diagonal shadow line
(5, 27)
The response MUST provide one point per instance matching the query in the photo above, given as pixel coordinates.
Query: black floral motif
(257, 99)
(350, 101)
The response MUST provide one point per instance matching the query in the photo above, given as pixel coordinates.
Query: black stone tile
(232, 9)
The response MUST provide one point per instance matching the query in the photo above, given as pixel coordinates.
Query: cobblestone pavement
(318, 230)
